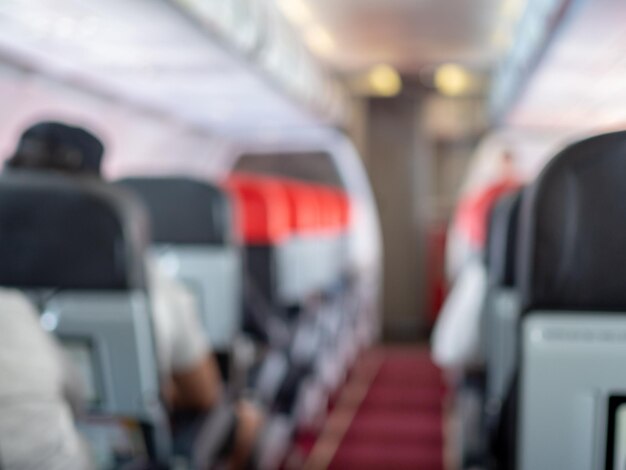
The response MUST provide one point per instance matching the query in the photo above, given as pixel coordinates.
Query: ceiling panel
(411, 33)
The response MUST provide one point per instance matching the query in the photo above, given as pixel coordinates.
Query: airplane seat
(331, 249)
(278, 283)
(280, 226)
(502, 304)
(76, 247)
(263, 214)
(571, 270)
(319, 220)
(482, 385)
(348, 301)
(339, 310)
(193, 240)
(287, 225)
(305, 218)
(193, 236)
(305, 221)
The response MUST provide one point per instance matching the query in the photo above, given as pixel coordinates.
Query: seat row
(264, 258)
(553, 319)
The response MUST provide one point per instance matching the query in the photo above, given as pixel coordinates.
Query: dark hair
(58, 146)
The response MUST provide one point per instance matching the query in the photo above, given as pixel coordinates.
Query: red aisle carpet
(398, 422)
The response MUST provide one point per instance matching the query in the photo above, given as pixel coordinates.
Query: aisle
(390, 415)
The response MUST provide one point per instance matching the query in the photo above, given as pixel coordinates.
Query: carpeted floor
(396, 420)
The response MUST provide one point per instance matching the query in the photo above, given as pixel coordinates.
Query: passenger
(36, 393)
(457, 333)
(468, 230)
(193, 381)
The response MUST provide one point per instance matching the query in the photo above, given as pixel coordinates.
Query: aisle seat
(328, 337)
(294, 233)
(500, 320)
(193, 238)
(502, 304)
(265, 227)
(282, 229)
(77, 247)
(571, 272)
(193, 228)
(305, 221)
(332, 236)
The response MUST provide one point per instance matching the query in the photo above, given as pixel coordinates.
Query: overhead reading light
(384, 80)
(452, 80)
(319, 40)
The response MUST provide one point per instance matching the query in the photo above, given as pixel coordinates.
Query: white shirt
(180, 339)
(36, 424)
(457, 334)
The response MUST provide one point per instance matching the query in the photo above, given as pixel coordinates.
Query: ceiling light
(384, 80)
(296, 11)
(452, 80)
(319, 40)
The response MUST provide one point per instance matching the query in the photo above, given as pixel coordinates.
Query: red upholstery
(345, 206)
(331, 211)
(270, 209)
(304, 206)
(263, 209)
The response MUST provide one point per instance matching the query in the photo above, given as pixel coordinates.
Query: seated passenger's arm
(199, 387)
(196, 379)
(73, 386)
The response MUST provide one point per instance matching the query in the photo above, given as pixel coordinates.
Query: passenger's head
(507, 168)
(60, 147)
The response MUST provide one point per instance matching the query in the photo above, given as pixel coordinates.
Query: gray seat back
(77, 245)
(502, 304)
(289, 262)
(193, 240)
(308, 264)
(571, 271)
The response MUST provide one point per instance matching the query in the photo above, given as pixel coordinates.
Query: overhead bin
(240, 69)
(258, 30)
(237, 21)
(534, 32)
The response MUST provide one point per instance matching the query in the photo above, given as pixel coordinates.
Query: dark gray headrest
(573, 230)
(185, 211)
(69, 233)
(502, 240)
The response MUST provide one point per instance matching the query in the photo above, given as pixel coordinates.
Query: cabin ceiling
(155, 55)
(411, 34)
(579, 84)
